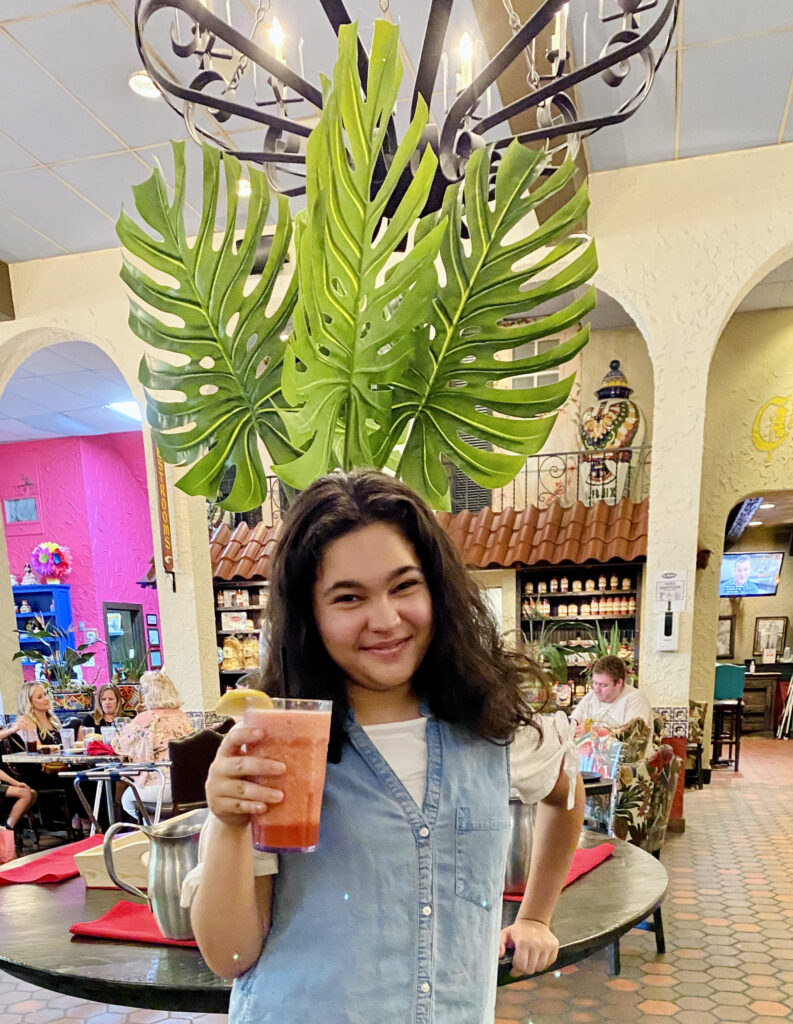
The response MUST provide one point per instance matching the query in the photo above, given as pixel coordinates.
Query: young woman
(108, 705)
(36, 715)
(395, 917)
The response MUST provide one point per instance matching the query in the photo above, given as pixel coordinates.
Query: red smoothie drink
(295, 732)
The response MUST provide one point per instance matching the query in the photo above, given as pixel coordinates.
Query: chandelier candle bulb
(466, 52)
(275, 36)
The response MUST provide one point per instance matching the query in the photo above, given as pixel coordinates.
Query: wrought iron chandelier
(236, 80)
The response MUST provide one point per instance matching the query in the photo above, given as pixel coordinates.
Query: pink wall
(92, 498)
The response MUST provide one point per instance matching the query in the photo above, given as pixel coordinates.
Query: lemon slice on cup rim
(235, 703)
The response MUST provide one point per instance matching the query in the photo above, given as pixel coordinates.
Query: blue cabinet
(52, 603)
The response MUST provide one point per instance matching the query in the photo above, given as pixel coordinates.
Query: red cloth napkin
(51, 867)
(130, 922)
(95, 747)
(583, 861)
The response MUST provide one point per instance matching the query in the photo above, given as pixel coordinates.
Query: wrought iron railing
(562, 477)
(565, 478)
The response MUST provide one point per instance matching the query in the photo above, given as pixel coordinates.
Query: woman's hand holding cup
(234, 789)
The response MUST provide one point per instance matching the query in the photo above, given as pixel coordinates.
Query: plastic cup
(67, 738)
(108, 734)
(296, 732)
(31, 742)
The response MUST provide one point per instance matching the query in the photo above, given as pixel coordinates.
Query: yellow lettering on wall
(769, 429)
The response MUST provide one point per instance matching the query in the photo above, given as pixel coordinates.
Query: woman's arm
(231, 911)
(9, 730)
(556, 832)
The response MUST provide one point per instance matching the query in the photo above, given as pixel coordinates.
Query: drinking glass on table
(108, 733)
(67, 738)
(31, 742)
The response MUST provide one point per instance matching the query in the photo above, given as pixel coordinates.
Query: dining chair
(727, 714)
(191, 757)
(697, 712)
(643, 805)
(600, 752)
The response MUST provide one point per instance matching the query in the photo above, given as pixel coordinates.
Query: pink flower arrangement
(51, 560)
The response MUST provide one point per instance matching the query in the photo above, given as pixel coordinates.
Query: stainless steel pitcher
(173, 851)
(521, 828)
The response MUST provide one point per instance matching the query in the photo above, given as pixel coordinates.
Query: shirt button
(424, 831)
(426, 910)
(424, 986)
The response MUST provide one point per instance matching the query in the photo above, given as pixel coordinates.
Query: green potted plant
(401, 342)
(126, 676)
(68, 692)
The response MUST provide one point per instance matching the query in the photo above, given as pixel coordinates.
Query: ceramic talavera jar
(614, 422)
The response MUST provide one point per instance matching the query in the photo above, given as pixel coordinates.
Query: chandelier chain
(242, 64)
(515, 22)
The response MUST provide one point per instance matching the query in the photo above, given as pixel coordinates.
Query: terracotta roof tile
(486, 539)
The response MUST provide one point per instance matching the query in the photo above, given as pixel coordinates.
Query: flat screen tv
(750, 573)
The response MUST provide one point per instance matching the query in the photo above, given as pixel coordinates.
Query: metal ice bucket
(173, 852)
(521, 828)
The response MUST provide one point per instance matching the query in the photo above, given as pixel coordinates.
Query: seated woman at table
(36, 717)
(145, 738)
(108, 711)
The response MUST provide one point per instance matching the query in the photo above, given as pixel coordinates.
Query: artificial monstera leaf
(353, 321)
(448, 390)
(231, 381)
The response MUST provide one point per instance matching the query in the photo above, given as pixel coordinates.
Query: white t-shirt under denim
(535, 759)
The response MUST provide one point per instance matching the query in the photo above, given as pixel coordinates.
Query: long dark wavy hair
(467, 676)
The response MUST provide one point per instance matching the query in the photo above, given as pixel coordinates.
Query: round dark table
(36, 946)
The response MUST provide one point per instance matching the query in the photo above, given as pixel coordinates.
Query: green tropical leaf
(231, 378)
(449, 389)
(353, 322)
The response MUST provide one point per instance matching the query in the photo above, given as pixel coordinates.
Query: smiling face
(109, 704)
(373, 611)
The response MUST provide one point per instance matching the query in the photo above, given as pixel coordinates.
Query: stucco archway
(81, 297)
(752, 364)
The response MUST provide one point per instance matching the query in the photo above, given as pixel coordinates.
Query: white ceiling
(74, 138)
(61, 391)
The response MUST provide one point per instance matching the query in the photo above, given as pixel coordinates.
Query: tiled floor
(727, 920)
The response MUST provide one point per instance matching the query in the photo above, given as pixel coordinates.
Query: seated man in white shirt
(611, 701)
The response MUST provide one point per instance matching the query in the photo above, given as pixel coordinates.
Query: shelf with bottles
(239, 614)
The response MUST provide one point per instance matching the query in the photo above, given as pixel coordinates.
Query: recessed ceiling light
(756, 522)
(243, 188)
(131, 409)
(768, 504)
(141, 83)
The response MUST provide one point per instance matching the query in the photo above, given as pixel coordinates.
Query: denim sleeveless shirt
(395, 918)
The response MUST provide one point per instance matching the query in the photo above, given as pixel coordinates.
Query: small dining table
(36, 946)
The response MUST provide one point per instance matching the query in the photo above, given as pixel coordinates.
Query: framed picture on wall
(151, 619)
(725, 637)
(153, 636)
(155, 659)
(769, 632)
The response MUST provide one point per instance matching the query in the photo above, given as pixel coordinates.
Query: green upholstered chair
(727, 714)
